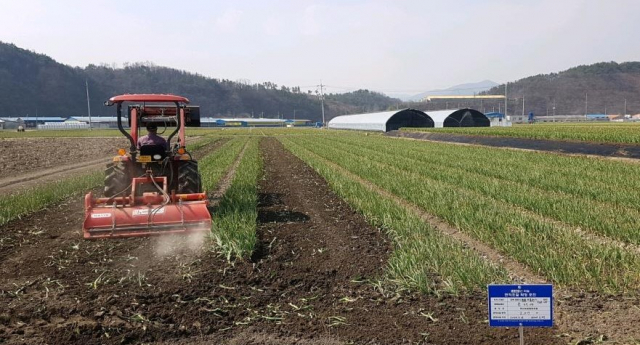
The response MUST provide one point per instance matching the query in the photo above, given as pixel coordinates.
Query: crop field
(612, 133)
(326, 237)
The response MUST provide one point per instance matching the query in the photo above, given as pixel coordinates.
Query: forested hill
(33, 83)
(605, 86)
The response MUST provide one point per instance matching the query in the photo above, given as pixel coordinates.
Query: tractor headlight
(157, 157)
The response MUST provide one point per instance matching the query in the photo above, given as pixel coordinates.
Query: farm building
(101, 121)
(33, 121)
(64, 125)
(251, 122)
(498, 119)
(597, 117)
(383, 121)
(465, 117)
(12, 122)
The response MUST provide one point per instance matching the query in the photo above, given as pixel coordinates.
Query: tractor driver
(152, 137)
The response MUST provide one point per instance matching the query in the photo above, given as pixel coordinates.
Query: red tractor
(152, 189)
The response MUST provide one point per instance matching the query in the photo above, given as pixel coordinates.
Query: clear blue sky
(389, 46)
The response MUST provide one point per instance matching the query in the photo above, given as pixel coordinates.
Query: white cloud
(229, 21)
(309, 21)
(273, 26)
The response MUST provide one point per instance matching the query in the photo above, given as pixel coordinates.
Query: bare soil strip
(617, 151)
(27, 155)
(14, 184)
(307, 282)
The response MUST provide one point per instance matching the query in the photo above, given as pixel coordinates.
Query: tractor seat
(153, 151)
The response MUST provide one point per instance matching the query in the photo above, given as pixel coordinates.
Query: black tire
(117, 181)
(189, 178)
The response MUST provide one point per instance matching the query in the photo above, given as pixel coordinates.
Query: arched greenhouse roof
(459, 118)
(382, 121)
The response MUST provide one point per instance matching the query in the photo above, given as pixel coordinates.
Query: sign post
(520, 306)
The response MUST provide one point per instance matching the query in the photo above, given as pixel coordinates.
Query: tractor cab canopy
(147, 97)
(160, 109)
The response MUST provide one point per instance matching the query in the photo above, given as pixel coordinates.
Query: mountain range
(35, 84)
(456, 90)
(600, 88)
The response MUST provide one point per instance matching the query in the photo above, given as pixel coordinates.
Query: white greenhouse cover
(440, 115)
(365, 122)
(99, 119)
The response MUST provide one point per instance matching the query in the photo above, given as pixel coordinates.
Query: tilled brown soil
(308, 282)
(63, 167)
(20, 156)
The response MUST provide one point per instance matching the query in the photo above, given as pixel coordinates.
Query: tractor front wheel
(117, 181)
(189, 178)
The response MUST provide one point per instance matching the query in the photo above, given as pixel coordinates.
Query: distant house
(494, 114)
(597, 117)
(615, 117)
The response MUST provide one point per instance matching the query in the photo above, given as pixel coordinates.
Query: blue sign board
(521, 305)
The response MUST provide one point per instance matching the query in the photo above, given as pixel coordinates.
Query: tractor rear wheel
(117, 182)
(189, 178)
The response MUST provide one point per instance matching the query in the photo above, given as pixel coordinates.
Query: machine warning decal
(101, 215)
(144, 212)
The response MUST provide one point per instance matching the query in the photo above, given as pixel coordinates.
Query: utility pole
(554, 107)
(86, 83)
(294, 114)
(36, 118)
(322, 100)
(586, 105)
(522, 105)
(505, 99)
(625, 108)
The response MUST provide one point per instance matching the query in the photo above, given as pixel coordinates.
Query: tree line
(32, 83)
